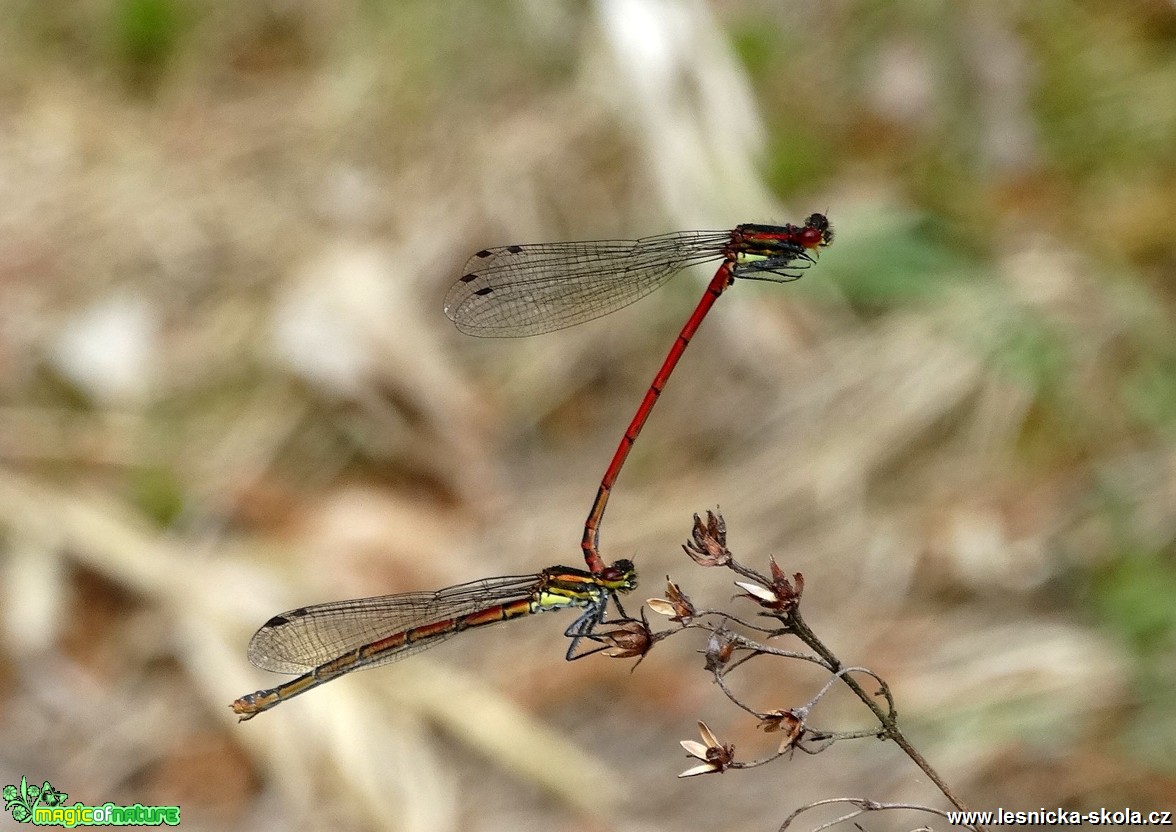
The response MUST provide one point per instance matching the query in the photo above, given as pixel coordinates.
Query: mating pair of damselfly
(515, 291)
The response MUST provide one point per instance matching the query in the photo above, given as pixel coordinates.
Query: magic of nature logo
(45, 805)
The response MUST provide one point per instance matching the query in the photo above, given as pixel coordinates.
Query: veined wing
(530, 289)
(304, 638)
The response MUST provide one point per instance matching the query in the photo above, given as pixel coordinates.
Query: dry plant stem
(863, 806)
(889, 721)
(768, 650)
(768, 631)
(824, 739)
(721, 681)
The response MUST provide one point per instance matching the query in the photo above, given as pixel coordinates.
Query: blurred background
(227, 388)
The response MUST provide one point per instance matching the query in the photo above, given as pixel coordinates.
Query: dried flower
(715, 756)
(782, 595)
(632, 638)
(719, 649)
(709, 544)
(789, 721)
(677, 605)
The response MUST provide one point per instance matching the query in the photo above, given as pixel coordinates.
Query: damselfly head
(817, 232)
(621, 576)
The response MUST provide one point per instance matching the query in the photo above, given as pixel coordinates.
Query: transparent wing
(529, 289)
(304, 638)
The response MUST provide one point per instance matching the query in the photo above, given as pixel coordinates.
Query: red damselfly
(529, 289)
(325, 641)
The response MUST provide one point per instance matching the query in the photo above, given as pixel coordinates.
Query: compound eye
(618, 572)
(812, 237)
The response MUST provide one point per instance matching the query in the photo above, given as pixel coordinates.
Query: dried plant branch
(863, 806)
(778, 597)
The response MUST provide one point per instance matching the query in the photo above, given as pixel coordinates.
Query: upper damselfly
(325, 641)
(529, 289)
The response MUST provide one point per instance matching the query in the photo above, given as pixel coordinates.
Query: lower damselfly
(325, 641)
(519, 290)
